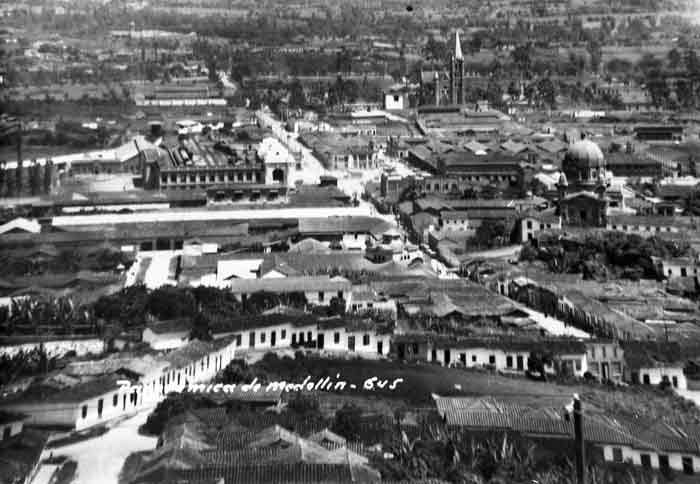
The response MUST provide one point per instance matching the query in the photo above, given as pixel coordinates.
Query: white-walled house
(96, 400)
(365, 339)
(319, 290)
(503, 354)
(654, 458)
(678, 267)
(167, 335)
(280, 331)
(269, 332)
(656, 374)
(54, 346)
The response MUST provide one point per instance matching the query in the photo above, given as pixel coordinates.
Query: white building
(90, 400)
(319, 290)
(167, 335)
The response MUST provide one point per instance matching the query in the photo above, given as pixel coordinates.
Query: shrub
(348, 422)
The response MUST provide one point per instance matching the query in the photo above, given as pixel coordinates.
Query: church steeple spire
(458, 47)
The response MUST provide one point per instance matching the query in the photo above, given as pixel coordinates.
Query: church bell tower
(457, 86)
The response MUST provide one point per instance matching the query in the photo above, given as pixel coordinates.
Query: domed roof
(587, 152)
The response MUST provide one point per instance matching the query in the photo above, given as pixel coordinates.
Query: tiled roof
(264, 321)
(343, 225)
(171, 326)
(479, 213)
(290, 284)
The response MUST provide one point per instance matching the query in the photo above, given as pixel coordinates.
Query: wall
(477, 357)
(656, 375)
(167, 341)
(675, 460)
(354, 241)
(151, 388)
(329, 342)
(59, 348)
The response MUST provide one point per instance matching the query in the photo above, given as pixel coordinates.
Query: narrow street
(101, 459)
(552, 325)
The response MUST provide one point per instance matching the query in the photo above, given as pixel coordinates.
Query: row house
(123, 389)
(280, 331)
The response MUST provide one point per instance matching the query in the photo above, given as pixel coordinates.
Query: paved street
(100, 459)
(554, 326)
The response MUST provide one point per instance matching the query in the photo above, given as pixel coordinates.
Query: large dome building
(584, 164)
(583, 184)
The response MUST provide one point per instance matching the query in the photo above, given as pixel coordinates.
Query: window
(262, 337)
(617, 454)
(100, 406)
(365, 340)
(645, 379)
(688, 466)
(492, 359)
(646, 460)
(238, 340)
(675, 381)
(509, 361)
(473, 358)
(6, 432)
(321, 296)
(336, 337)
(283, 334)
(577, 365)
(604, 352)
(663, 462)
(529, 224)
(84, 411)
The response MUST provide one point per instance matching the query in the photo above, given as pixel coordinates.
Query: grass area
(422, 380)
(413, 383)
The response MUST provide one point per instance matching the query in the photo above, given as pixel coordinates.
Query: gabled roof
(308, 245)
(343, 225)
(21, 225)
(290, 284)
(180, 325)
(514, 147)
(553, 146)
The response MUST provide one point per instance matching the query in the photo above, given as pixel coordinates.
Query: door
(380, 347)
(447, 357)
(321, 340)
(519, 362)
(351, 343)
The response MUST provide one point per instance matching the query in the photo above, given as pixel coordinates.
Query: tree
(348, 422)
(490, 233)
(48, 176)
(536, 363)
(200, 328)
(35, 178)
(19, 171)
(674, 58)
(546, 92)
(522, 56)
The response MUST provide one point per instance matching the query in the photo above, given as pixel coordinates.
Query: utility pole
(580, 442)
